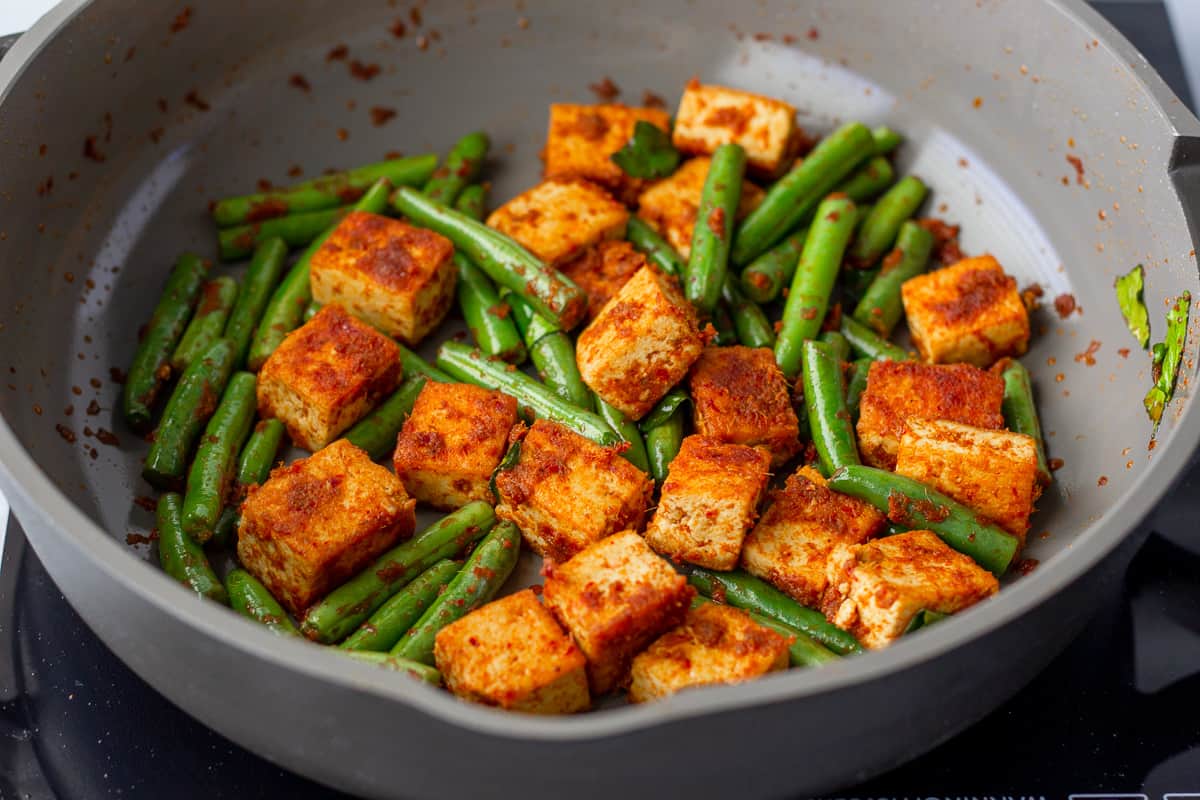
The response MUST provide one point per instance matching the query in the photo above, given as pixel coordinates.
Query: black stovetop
(1116, 714)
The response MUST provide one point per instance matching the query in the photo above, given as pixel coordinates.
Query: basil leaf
(649, 154)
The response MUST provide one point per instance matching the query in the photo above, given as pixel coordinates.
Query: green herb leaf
(1166, 357)
(649, 154)
(1129, 297)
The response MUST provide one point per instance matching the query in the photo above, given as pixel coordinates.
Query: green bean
(216, 459)
(880, 227)
(629, 432)
(880, 307)
(472, 201)
(251, 599)
(485, 316)
(376, 433)
(856, 386)
(297, 230)
(395, 617)
(793, 197)
(266, 267)
(224, 536)
(462, 166)
(258, 454)
(506, 262)
(422, 672)
(151, 368)
(656, 249)
(813, 282)
(886, 139)
(915, 505)
(825, 400)
(713, 231)
(803, 650)
(191, 403)
(865, 343)
(216, 300)
(662, 429)
(345, 608)
(764, 278)
(310, 311)
(868, 180)
(1020, 412)
(325, 192)
(723, 324)
(412, 364)
(180, 556)
(752, 326)
(476, 583)
(839, 347)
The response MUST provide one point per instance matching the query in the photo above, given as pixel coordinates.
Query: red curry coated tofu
(325, 375)
(709, 501)
(642, 343)
(560, 218)
(710, 116)
(615, 597)
(319, 520)
(602, 270)
(451, 443)
(512, 654)
(790, 546)
(970, 312)
(739, 396)
(581, 140)
(565, 491)
(386, 272)
(901, 390)
(716, 644)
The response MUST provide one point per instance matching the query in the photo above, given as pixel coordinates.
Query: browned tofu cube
(642, 343)
(970, 312)
(452, 442)
(602, 270)
(992, 472)
(325, 375)
(582, 139)
(615, 597)
(740, 396)
(566, 492)
(319, 520)
(670, 205)
(512, 654)
(898, 391)
(715, 645)
(710, 116)
(876, 588)
(560, 218)
(386, 272)
(709, 501)
(790, 546)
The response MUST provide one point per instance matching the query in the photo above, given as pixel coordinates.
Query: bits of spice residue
(381, 115)
(1102, 480)
(193, 99)
(605, 90)
(1077, 163)
(398, 29)
(66, 433)
(1032, 295)
(300, 82)
(1088, 356)
(652, 100)
(91, 151)
(363, 71)
(1065, 305)
(1026, 565)
(338, 53)
(813, 34)
(1055, 464)
(182, 20)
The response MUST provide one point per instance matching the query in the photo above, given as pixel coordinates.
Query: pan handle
(6, 43)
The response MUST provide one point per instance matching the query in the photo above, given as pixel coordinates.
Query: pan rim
(44, 505)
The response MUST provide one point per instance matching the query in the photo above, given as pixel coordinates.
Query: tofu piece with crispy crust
(876, 588)
(969, 312)
(710, 116)
(991, 472)
(898, 391)
(803, 521)
(319, 520)
(512, 654)
(581, 140)
(602, 270)
(560, 218)
(386, 272)
(716, 644)
(325, 375)
(641, 344)
(740, 396)
(615, 598)
(670, 206)
(565, 492)
(708, 502)
(451, 443)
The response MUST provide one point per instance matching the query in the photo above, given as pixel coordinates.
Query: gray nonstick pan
(1042, 131)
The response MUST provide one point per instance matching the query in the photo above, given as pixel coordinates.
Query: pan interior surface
(1065, 181)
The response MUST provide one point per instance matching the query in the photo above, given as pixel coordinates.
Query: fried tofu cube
(319, 520)
(992, 472)
(670, 206)
(641, 344)
(615, 598)
(560, 218)
(709, 501)
(898, 391)
(710, 116)
(790, 546)
(566, 492)
(452, 442)
(325, 375)
(582, 139)
(876, 588)
(740, 396)
(970, 312)
(715, 645)
(512, 654)
(386, 272)
(602, 270)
